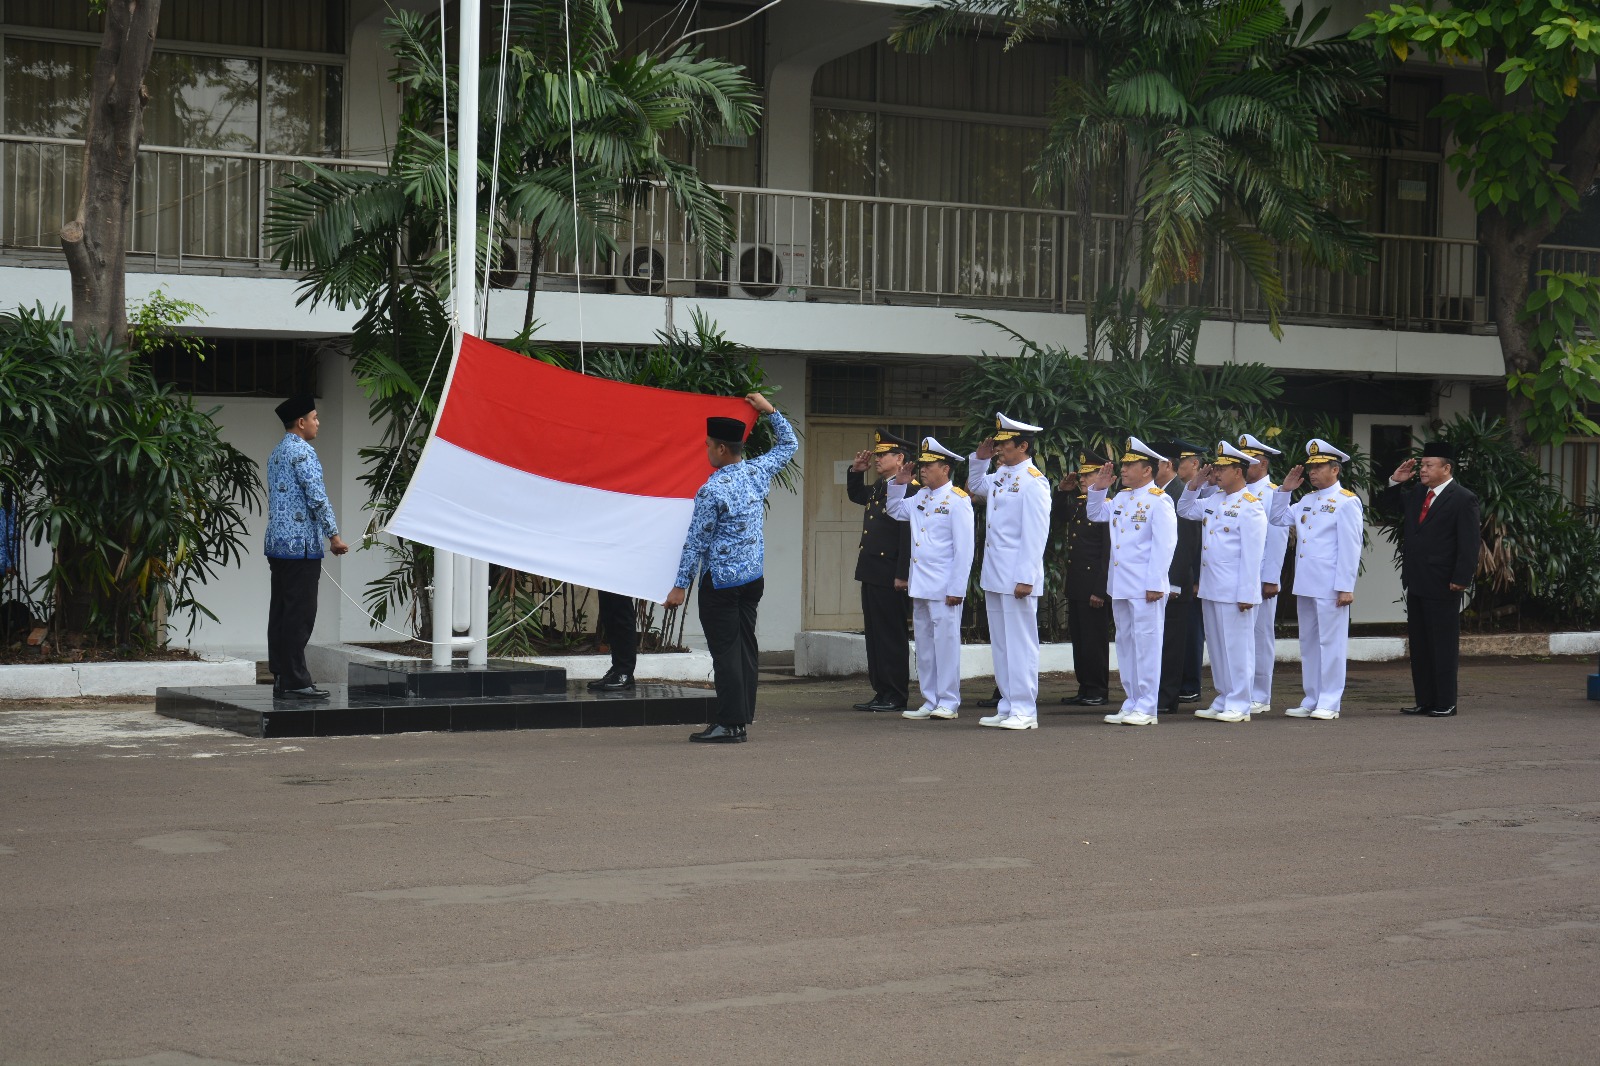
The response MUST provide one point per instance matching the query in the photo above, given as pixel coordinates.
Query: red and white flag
(555, 473)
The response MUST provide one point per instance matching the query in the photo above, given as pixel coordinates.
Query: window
(245, 76)
(846, 389)
(241, 366)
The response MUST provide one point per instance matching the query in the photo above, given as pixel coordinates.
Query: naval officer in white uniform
(1259, 480)
(1233, 533)
(1328, 523)
(1016, 530)
(941, 519)
(1144, 534)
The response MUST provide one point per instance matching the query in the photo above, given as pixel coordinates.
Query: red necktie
(1427, 502)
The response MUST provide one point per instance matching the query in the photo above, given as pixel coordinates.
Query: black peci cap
(727, 430)
(1439, 449)
(295, 407)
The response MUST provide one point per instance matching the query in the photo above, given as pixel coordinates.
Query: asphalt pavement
(845, 888)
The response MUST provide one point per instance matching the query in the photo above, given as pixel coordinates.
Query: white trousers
(1014, 639)
(1264, 617)
(1140, 627)
(938, 631)
(1324, 650)
(1231, 640)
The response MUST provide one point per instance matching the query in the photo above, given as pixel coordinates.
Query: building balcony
(202, 212)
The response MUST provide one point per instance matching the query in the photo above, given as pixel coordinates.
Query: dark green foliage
(1538, 562)
(139, 498)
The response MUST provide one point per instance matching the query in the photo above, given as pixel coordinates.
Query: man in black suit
(1174, 476)
(883, 565)
(1088, 604)
(1439, 555)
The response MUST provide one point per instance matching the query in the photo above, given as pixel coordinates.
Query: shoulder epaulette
(1346, 492)
(1157, 492)
(1249, 498)
(1271, 487)
(961, 491)
(1034, 471)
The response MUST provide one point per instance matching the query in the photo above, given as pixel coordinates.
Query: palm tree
(575, 148)
(1217, 109)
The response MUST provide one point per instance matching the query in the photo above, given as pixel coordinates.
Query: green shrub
(131, 486)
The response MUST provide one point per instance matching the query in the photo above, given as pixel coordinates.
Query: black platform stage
(413, 696)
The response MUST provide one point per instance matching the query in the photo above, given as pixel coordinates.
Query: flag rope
(434, 643)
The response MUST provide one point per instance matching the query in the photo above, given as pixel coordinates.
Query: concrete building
(884, 194)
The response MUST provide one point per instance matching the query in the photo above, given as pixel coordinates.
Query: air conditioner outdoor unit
(768, 271)
(644, 269)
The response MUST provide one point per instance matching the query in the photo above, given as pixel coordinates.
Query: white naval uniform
(1016, 529)
(1329, 525)
(1144, 535)
(1265, 616)
(941, 561)
(1233, 535)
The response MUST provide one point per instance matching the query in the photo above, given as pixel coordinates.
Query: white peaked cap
(1226, 450)
(1138, 449)
(1249, 441)
(1320, 451)
(933, 451)
(1010, 427)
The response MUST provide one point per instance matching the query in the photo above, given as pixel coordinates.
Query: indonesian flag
(555, 473)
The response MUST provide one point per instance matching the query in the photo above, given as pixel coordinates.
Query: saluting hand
(1104, 477)
(905, 475)
(1293, 480)
(1404, 471)
(985, 450)
(1069, 483)
(1200, 478)
(863, 458)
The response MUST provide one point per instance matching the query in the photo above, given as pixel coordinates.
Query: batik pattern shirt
(299, 516)
(725, 533)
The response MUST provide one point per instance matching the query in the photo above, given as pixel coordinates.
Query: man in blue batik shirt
(725, 543)
(299, 516)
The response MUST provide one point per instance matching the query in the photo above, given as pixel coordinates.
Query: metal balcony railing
(202, 211)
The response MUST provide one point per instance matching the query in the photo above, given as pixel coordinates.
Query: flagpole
(466, 313)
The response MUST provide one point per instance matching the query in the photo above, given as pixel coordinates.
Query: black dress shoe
(992, 701)
(881, 704)
(1442, 712)
(1080, 700)
(1418, 709)
(612, 683)
(310, 692)
(866, 705)
(1188, 697)
(720, 734)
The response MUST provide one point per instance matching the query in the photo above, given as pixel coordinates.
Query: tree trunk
(535, 260)
(1512, 251)
(95, 242)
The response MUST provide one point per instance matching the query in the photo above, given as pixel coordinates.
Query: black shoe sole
(718, 740)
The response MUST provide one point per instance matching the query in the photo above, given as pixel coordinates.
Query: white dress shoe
(1298, 712)
(1231, 716)
(991, 719)
(944, 712)
(1116, 719)
(1259, 708)
(1139, 718)
(919, 714)
(1324, 715)
(1207, 712)
(1020, 723)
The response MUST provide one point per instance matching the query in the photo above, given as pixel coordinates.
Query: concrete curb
(68, 680)
(330, 663)
(827, 653)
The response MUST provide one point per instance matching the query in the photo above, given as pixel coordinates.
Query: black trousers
(619, 627)
(1195, 649)
(728, 620)
(291, 614)
(883, 616)
(1090, 627)
(1433, 624)
(1175, 650)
